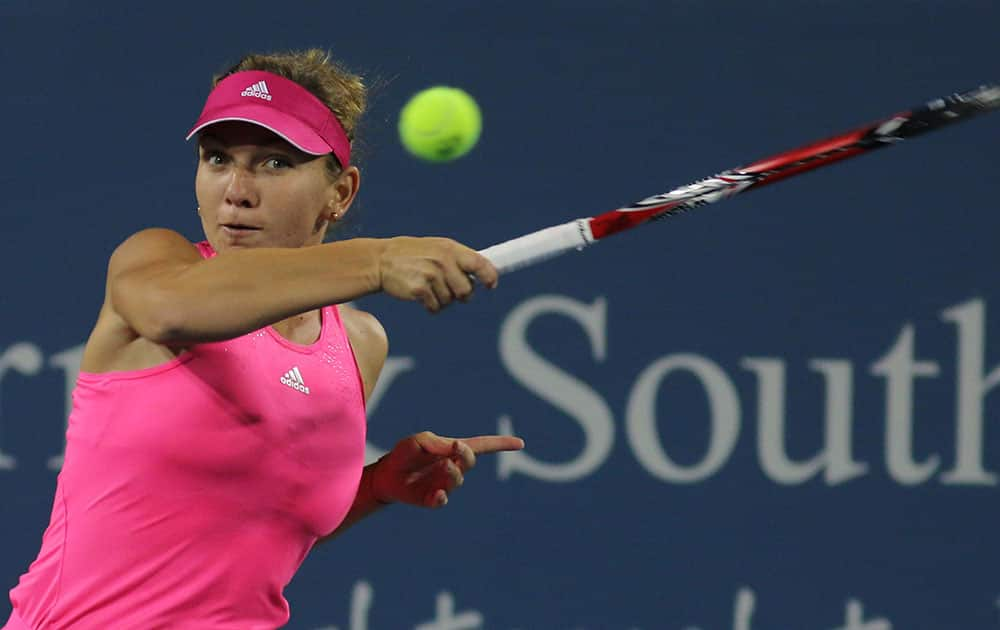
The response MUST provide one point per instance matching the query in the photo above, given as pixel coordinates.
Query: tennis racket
(575, 235)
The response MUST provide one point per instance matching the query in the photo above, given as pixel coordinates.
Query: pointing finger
(494, 443)
(434, 444)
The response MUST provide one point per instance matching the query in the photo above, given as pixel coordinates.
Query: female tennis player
(218, 425)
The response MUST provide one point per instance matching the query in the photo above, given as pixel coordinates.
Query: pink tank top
(192, 491)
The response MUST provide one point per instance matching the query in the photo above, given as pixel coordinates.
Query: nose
(241, 191)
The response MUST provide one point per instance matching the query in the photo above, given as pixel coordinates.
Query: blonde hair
(337, 87)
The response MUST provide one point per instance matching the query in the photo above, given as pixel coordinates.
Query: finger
(428, 448)
(441, 290)
(494, 443)
(449, 475)
(435, 444)
(432, 448)
(443, 478)
(463, 455)
(417, 452)
(459, 282)
(436, 499)
(475, 263)
(427, 297)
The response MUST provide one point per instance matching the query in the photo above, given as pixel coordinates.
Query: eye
(278, 162)
(214, 158)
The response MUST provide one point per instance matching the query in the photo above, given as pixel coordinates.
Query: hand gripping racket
(553, 241)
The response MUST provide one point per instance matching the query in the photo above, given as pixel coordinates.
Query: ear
(342, 193)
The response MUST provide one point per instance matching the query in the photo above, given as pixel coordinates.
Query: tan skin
(264, 207)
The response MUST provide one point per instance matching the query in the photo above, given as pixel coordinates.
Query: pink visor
(279, 105)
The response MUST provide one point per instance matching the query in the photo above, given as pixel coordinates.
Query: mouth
(239, 229)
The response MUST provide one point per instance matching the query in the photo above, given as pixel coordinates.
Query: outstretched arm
(163, 289)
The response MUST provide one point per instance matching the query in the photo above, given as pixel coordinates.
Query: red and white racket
(553, 241)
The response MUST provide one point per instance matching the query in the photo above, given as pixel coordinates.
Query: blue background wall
(825, 294)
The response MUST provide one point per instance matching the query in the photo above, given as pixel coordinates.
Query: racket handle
(538, 246)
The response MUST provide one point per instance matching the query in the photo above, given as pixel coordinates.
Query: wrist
(373, 487)
(378, 247)
(363, 257)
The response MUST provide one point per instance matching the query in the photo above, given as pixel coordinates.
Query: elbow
(163, 330)
(157, 316)
(166, 321)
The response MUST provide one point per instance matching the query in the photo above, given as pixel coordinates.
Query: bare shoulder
(364, 329)
(115, 344)
(149, 246)
(138, 260)
(369, 342)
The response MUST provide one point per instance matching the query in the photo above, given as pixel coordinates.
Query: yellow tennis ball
(440, 124)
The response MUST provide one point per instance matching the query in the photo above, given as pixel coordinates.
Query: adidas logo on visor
(259, 90)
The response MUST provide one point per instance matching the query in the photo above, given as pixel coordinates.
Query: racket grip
(538, 246)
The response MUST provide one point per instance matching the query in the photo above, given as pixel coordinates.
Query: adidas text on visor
(279, 105)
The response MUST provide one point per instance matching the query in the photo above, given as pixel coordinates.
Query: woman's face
(254, 189)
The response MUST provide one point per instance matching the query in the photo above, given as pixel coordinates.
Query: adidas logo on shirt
(259, 90)
(293, 378)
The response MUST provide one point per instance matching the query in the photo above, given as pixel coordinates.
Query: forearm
(240, 291)
(364, 504)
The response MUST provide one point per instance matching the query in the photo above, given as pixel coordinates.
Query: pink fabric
(15, 623)
(280, 105)
(192, 491)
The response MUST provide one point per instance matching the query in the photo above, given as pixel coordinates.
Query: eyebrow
(276, 144)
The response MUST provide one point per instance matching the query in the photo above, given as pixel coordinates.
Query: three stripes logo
(293, 378)
(258, 90)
